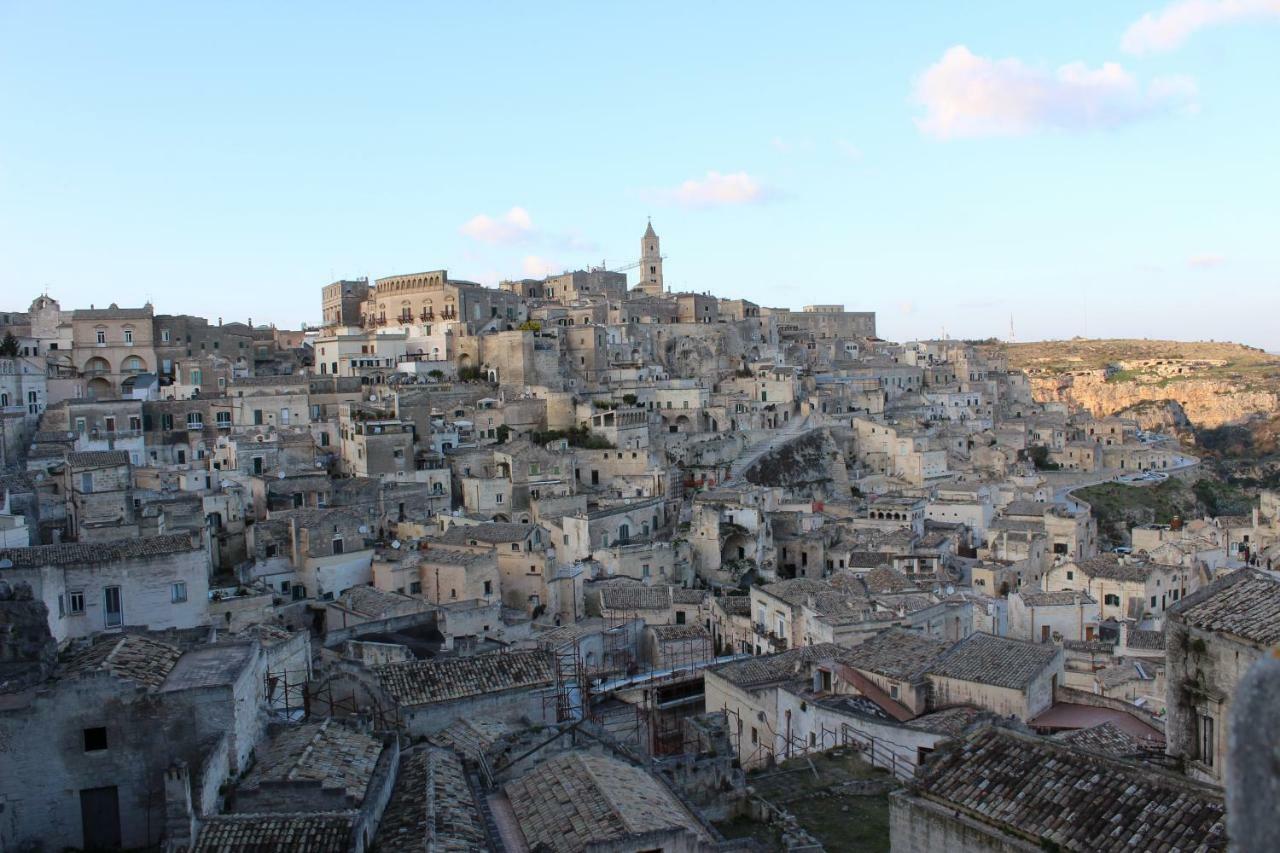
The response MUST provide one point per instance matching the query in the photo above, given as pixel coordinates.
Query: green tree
(9, 346)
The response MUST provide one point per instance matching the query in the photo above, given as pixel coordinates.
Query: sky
(1061, 169)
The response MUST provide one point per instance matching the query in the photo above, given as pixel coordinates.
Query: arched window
(132, 364)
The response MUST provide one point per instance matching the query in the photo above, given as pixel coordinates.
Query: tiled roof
(329, 753)
(431, 807)
(671, 633)
(635, 597)
(97, 458)
(471, 736)
(128, 656)
(371, 601)
(734, 605)
(1105, 738)
(680, 595)
(1112, 567)
(948, 721)
(771, 669)
(885, 579)
(569, 802)
(998, 661)
(1244, 604)
(1059, 598)
(1045, 791)
(423, 682)
(316, 832)
(896, 653)
(796, 590)
(1139, 639)
(489, 533)
(79, 553)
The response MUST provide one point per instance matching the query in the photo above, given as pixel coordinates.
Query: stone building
(342, 302)
(592, 801)
(89, 749)
(999, 790)
(1212, 637)
(428, 695)
(111, 347)
(153, 582)
(651, 263)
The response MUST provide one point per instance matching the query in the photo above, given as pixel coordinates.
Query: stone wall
(919, 826)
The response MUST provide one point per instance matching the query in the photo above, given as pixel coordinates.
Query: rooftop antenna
(1011, 337)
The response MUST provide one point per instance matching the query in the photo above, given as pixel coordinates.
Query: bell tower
(650, 263)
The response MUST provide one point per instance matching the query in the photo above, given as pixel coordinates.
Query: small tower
(650, 263)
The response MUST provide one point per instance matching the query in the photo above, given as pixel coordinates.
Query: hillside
(1170, 385)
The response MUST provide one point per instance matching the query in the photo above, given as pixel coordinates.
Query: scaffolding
(295, 696)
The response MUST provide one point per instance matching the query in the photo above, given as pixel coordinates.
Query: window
(284, 416)
(515, 546)
(498, 499)
(488, 587)
(1153, 602)
(113, 607)
(164, 336)
(337, 545)
(101, 336)
(755, 735)
(128, 336)
(75, 602)
(1111, 600)
(223, 420)
(135, 423)
(194, 376)
(893, 691)
(1205, 740)
(415, 587)
(95, 739)
(195, 420)
(178, 592)
(1071, 575)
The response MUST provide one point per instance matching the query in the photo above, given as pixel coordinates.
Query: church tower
(650, 263)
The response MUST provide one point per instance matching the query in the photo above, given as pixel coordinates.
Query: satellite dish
(364, 528)
(395, 543)
(280, 475)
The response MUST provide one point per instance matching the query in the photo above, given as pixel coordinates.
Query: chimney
(179, 816)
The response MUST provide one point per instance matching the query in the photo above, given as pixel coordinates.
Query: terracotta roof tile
(1044, 790)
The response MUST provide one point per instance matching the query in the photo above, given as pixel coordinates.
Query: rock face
(1208, 402)
(1166, 385)
(812, 465)
(27, 649)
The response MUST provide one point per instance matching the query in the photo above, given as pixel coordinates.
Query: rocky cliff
(1166, 385)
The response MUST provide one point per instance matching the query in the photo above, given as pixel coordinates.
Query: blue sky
(1105, 169)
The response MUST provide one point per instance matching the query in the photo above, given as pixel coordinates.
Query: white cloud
(1204, 262)
(964, 94)
(848, 149)
(535, 266)
(1169, 27)
(514, 226)
(717, 190)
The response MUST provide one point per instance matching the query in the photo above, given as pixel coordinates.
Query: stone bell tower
(650, 263)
